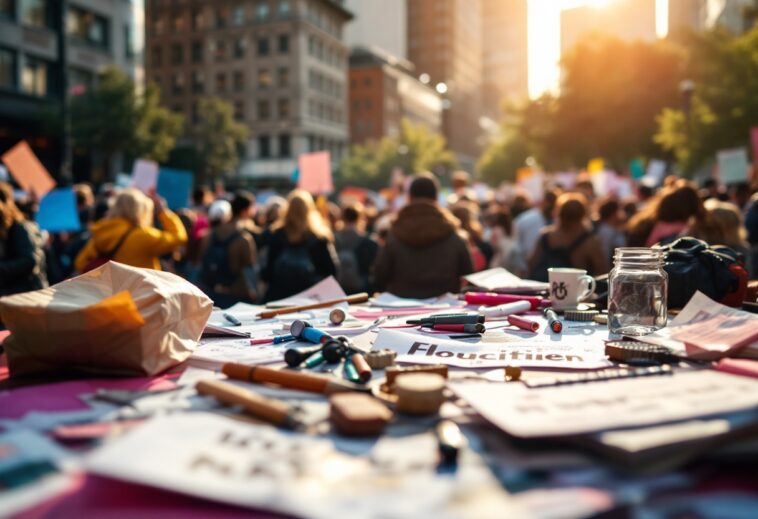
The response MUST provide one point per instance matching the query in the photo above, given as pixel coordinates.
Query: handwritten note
(28, 171)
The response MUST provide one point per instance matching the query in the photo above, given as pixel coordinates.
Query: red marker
(524, 324)
(492, 299)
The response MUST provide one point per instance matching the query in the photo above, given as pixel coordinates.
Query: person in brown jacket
(426, 252)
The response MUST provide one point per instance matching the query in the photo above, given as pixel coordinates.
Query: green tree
(113, 117)
(219, 137)
(415, 149)
(723, 106)
(502, 158)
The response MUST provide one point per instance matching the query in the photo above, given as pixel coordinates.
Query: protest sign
(145, 175)
(57, 211)
(123, 180)
(175, 185)
(28, 171)
(534, 352)
(656, 171)
(595, 165)
(533, 182)
(637, 169)
(733, 166)
(315, 173)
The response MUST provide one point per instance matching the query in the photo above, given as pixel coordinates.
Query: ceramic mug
(569, 287)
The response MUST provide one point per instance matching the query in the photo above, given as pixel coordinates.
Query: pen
(524, 324)
(491, 299)
(460, 328)
(279, 339)
(552, 320)
(233, 320)
(504, 310)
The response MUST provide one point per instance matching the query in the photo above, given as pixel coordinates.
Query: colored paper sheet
(145, 175)
(595, 165)
(637, 169)
(123, 180)
(523, 173)
(315, 173)
(57, 211)
(656, 171)
(733, 166)
(28, 171)
(175, 185)
(534, 185)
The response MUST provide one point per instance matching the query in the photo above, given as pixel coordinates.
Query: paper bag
(114, 320)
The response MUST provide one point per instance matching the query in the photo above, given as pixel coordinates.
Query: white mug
(568, 287)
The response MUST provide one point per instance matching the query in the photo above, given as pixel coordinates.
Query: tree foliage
(416, 149)
(219, 137)
(724, 103)
(113, 117)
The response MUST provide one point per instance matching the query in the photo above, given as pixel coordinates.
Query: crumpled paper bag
(114, 320)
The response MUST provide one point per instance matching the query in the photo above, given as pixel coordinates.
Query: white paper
(591, 407)
(145, 175)
(214, 354)
(324, 290)
(656, 171)
(387, 300)
(500, 278)
(258, 466)
(537, 352)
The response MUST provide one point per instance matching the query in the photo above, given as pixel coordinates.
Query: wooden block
(419, 393)
(393, 372)
(358, 414)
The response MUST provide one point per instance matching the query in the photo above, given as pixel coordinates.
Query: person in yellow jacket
(128, 227)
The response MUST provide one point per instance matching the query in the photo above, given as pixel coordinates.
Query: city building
(383, 91)
(505, 53)
(381, 24)
(32, 56)
(625, 19)
(686, 15)
(730, 14)
(282, 64)
(445, 45)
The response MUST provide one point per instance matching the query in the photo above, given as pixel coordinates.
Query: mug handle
(590, 288)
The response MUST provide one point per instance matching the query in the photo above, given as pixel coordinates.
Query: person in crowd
(529, 224)
(519, 205)
(728, 218)
(300, 249)
(481, 251)
(426, 252)
(608, 228)
(507, 253)
(569, 243)
(357, 252)
(127, 234)
(22, 258)
(228, 254)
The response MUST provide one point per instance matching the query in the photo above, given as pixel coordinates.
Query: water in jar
(637, 295)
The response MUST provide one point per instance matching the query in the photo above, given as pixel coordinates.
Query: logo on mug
(559, 290)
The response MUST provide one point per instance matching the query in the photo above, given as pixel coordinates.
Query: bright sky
(545, 38)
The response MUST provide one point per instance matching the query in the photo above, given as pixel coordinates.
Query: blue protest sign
(175, 185)
(57, 211)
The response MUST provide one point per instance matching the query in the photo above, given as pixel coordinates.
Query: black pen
(232, 319)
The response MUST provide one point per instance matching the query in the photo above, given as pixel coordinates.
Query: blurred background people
(356, 251)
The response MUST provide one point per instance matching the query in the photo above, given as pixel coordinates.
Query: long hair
(302, 217)
(132, 205)
(9, 212)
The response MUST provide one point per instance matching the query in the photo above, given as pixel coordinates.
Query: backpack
(294, 269)
(349, 272)
(104, 257)
(555, 257)
(215, 264)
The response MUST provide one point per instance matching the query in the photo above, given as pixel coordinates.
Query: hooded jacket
(142, 247)
(426, 253)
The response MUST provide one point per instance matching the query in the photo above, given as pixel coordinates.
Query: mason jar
(637, 292)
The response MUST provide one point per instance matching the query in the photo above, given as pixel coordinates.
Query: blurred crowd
(417, 245)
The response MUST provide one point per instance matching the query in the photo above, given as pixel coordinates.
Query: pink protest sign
(315, 173)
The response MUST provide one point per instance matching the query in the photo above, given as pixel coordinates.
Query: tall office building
(97, 33)
(729, 14)
(383, 91)
(282, 64)
(445, 44)
(625, 19)
(504, 53)
(381, 24)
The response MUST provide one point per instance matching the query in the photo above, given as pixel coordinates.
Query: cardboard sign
(656, 171)
(315, 173)
(145, 175)
(57, 211)
(733, 166)
(595, 165)
(28, 171)
(175, 185)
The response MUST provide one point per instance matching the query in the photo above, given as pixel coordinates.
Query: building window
(80, 80)
(177, 22)
(239, 15)
(195, 112)
(158, 26)
(283, 78)
(283, 107)
(264, 147)
(87, 27)
(130, 48)
(239, 81)
(284, 8)
(35, 13)
(239, 48)
(197, 19)
(284, 43)
(177, 54)
(220, 19)
(197, 52)
(264, 110)
(34, 77)
(177, 84)
(198, 82)
(220, 82)
(264, 78)
(157, 56)
(7, 69)
(263, 47)
(239, 110)
(311, 45)
(7, 9)
(220, 50)
(261, 11)
(285, 146)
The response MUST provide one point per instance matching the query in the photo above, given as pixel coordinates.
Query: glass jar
(637, 292)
